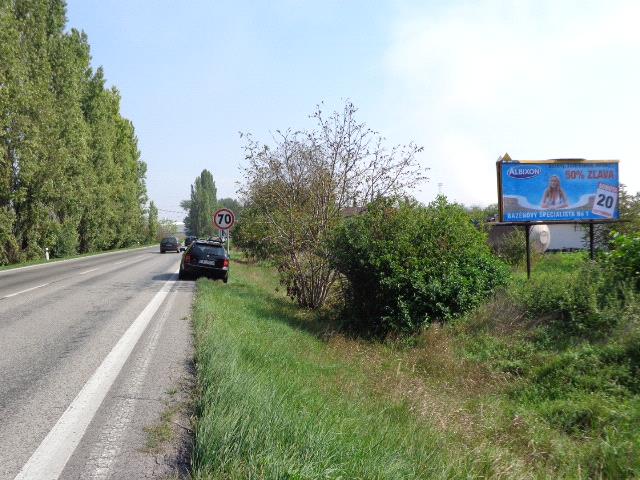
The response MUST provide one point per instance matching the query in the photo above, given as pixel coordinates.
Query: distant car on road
(169, 244)
(205, 258)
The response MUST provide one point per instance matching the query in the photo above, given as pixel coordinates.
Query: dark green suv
(169, 244)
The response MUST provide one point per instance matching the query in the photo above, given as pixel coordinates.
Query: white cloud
(538, 79)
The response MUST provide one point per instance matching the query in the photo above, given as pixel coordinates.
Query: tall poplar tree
(201, 206)
(152, 223)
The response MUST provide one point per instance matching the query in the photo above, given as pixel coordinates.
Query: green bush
(582, 304)
(623, 259)
(407, 265)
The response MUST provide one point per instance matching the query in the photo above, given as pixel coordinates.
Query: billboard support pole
(591, 249)
(526, 236)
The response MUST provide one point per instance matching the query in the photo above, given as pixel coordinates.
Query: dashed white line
(131, 260)
(26, 290)
(50, 458)
(88, 271)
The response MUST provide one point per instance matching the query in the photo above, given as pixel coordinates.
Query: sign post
(224, 219)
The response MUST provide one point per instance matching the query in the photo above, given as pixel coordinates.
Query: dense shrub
(407, 265)
(591, 301)
(623, 259)
(574, 361)
(582, 304)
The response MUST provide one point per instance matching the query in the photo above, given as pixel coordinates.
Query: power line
(170, 211)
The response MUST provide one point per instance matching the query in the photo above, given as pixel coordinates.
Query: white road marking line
(130, 260)
(109, 445)
(25, 290)
(70, 260)
(50, 458)
(89, 271)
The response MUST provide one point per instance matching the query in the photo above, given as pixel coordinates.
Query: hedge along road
(89, 349)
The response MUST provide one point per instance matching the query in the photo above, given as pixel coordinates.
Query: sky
(467, 80)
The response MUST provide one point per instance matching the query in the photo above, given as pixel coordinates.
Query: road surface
(92, 351)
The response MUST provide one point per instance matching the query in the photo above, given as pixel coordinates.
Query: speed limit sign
(224, 219)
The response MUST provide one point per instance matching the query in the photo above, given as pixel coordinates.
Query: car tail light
(187, 259)
(226, 263)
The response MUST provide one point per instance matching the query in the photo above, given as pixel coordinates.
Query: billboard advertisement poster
(558, 191)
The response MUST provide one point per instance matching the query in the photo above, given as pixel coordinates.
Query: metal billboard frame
(527, 225)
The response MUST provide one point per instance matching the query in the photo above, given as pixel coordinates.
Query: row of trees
(71, 177)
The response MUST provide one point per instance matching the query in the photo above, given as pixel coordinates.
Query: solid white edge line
(50, 458)
(25, 290)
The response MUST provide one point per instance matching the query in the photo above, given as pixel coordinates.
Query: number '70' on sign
(224, 219)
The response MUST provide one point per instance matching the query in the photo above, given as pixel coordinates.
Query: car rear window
(208, 250)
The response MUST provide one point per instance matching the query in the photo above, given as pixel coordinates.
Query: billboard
(558, 190)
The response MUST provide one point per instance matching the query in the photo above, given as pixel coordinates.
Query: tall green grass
(573, 354)
(274, 402)
(543, 381)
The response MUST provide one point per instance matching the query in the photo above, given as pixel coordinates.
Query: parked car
(205, 258)
(169, 244)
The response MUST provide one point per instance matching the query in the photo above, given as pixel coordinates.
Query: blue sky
(468, 80)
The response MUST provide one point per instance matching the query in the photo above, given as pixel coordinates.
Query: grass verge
(497, 394)
(276, 401)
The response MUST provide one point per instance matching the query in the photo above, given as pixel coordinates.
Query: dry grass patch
(437, 384)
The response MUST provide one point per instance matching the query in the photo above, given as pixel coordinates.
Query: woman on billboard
(554, 196)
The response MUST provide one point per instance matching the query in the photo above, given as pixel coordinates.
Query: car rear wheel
(225, 279)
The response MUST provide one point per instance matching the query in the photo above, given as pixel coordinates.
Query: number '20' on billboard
(548, 191)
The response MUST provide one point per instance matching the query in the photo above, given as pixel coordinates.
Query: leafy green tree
(297, 189)
(629, 206)
(152, 222)
(232, 204)
(166, 228)
(201, 206)
(252, 233)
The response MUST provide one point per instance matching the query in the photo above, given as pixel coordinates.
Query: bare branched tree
(296, 190)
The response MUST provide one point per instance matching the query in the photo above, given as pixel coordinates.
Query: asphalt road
(92, 351)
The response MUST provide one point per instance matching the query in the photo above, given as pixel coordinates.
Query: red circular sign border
(233, 218)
